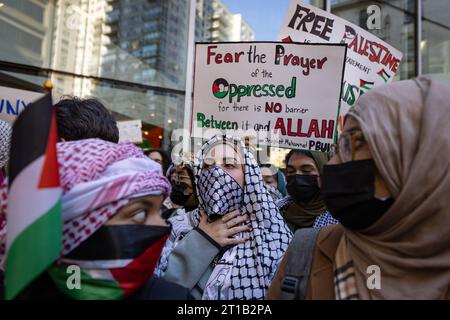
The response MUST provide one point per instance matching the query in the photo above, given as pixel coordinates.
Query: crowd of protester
(220, 225)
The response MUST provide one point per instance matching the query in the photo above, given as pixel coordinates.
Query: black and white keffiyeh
(220, 192)
(5, 141)
(283, 203)
(246, 270)
(274, 193)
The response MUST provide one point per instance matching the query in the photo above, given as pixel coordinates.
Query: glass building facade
(131, 54)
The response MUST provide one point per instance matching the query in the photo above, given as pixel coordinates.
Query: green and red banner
(34, 200)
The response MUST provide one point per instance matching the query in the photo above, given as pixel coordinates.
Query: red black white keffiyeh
(98, 178)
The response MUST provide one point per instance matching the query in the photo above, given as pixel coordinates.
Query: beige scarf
(407, 127)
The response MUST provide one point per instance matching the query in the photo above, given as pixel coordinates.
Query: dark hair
(293, 151)
(165, 158)
(79, 119)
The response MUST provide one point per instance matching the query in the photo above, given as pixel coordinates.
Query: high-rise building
(144, 42)
(203, 11)
(224, 25)
(241, 30)
(77, 44)
(151, 33)
(26, 31)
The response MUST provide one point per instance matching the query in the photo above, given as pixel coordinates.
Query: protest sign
(130, 131)
(289, 89)
(14, 101)
(370, 61)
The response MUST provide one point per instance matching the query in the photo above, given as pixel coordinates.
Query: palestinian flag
(366, 85)
(91, 274)
(34, 205)
(384, 75)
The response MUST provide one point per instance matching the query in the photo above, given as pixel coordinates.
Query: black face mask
(348, 190)
(303, 188)
(126, 241)
(177, 196)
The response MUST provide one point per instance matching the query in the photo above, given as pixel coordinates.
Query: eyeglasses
(347, 144)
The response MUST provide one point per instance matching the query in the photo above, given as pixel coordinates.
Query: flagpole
(48, 86)
(189, 75)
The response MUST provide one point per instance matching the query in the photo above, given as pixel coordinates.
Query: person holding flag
(83, 217)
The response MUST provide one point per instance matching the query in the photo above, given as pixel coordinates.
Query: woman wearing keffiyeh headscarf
(388, 185)
(112, 228)
(228, 179)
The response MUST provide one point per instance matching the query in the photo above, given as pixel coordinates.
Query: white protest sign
(290, 89)
(130, 131)
(370, 61)
(14, 101)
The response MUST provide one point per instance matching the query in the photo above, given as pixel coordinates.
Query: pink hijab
(97, 178)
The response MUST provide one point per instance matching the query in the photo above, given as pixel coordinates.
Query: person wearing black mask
(304, 207)
(183, 194)
(388, 186)
(112, 236)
